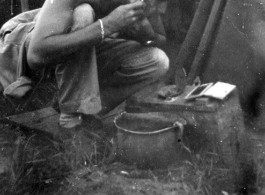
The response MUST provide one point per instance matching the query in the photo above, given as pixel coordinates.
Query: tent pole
(24, 5)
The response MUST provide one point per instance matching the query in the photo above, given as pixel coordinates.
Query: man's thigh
(129, 59)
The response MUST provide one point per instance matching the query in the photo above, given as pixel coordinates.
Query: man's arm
(156, 22)
(51, 40)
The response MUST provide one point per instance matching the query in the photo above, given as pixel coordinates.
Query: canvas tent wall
(234, 52)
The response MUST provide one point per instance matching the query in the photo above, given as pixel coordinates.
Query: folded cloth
(14, 36)
(19, 88)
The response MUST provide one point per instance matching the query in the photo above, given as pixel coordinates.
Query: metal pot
(149, 140)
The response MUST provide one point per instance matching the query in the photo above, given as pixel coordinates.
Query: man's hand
(124, 16)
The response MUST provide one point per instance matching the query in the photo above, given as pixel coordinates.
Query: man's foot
(84, 144)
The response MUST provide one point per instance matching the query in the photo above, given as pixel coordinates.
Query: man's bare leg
(78, 78)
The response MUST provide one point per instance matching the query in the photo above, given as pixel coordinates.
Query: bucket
(149, 140)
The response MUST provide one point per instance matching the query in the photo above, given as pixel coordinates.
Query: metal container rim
(175, 124)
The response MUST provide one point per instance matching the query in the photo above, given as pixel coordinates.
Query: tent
(226, 42)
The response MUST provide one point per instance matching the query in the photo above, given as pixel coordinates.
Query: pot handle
(180, 140)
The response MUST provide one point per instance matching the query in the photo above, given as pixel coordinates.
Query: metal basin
(149, 140)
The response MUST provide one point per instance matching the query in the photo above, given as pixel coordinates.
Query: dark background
(6, 9)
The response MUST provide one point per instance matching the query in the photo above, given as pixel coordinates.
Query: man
(95, 68)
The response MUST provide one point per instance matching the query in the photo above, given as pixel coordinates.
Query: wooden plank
(45, 119)
(152, 102)
(33, 116)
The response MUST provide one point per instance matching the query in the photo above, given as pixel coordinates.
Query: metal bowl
(149, 140)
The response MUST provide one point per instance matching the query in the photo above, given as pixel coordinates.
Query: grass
(36, 166)
(40, 166)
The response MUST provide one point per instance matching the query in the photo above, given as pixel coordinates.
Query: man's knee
(83, 15)
(162, 62)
